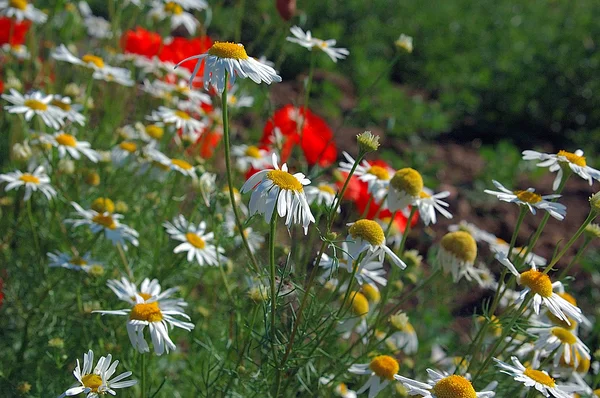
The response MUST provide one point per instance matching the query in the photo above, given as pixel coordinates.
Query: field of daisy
(202, 198)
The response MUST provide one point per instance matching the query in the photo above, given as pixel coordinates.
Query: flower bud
(286, 8)
(367, 142)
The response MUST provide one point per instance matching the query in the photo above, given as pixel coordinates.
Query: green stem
(273, 230)
(389, 226)
(307, 94)
(144, 376)
(34, 231)
(340, 195)
(236, 214)
(591, 216)
(366, 211)
(226, 283)
(575, 260)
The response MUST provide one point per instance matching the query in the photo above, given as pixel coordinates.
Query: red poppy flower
(207, 143)
(179, 48)
(315, 139)
(142, 42)
(13, 32)
(1, 86)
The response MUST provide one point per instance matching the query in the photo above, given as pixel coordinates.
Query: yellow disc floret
(408, 180)
(18, 4)
(92, 381)
(371, 293)
(195, 240)
(92, 59)
(173, 8)
(538, 282)
(181, 164)
(29, 178)
(182, 115)
(35, 105)
(384, 366)
(128, 146)
(359, 304)
(66, 140)
(564, 335)
(539, 377)
(572, 158)
(253, 152)
(149, 312)
(102, 205)
(327, 189)
(454, 386)
(380, 172)
(285, 180)
(105, 220)
(368, 230)
(461, 244)
(528, 197)
(154, 131)
(223, 49)
(62, 105)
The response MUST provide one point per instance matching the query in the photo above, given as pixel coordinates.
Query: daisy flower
(175, 13)
(277, 187)
(230, 58)
(530, 199)
(366, 236)
(254, 239)
(321, 195)
(307, 41)
(358, 305)
(96, 382)
(123, 152)
(237, 101)
(18, 51)
(441, 385)
(35, 103)
(79, 263)
(555, 162)
(542, 289)
(429, 202)
(539, 379)
(127, 290)
(405, 189)
(382, 369)
(404, 338)
(341, 390)
(102, 71)
(405, 42)
(250, 156)
(38, 180)
(117, 233)
(569, 347)
(71, 110)
(195, 240)
(500, 245)
(457, 254)
(377, 177)
(158, 313)
(21, 10)
(68, 144)
(189, 126)
(178, 165)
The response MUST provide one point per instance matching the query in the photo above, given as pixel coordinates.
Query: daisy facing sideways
(542, 288)
(376, 176)
(441, 385)
(367, 236)
(68, 144)
(35, 103)
(277, 187)
(32, 182)
(96, 382)
(231, 59)
(382, 370)
(158, 314)
(569, 348)
(307, 41)
(530, 199)
(195, 241)
(538, 379)
(78, 263)
(575, 161)
(127, 290)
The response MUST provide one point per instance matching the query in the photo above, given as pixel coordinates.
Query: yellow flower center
(92, 381)
(253, 152)
(62, 105)
(102, 205)
(20, 4)
(368, 230)
(173, 8)
(29, 178)
(105, 220)
(228, 50)
(327, 189)
(384, 366)
(371, 293)
(538, 282)
(564, 335)
(454, 386)
(195, 240)
(155, 131)
(233, 99)
(539, 377)
(285, 180)
(182, 115)
(92, 59)
(359, 304)
(92, 178)
(146, 312)
(572, 158)
(528, 197)
(181, 164)
(66, 140)
(128, 146)
(379, 172)
(35, 105)
(145, 296)
(323, 44)
(424, 195)
(408, 180)
(461, 244)
(583, 365)
(401, 323)
(78, 261)
(343, 389)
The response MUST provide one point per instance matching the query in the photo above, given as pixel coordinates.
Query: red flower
(13, 32)
(315, 139)
(1, 86)
(180, 48)
(142, 42)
